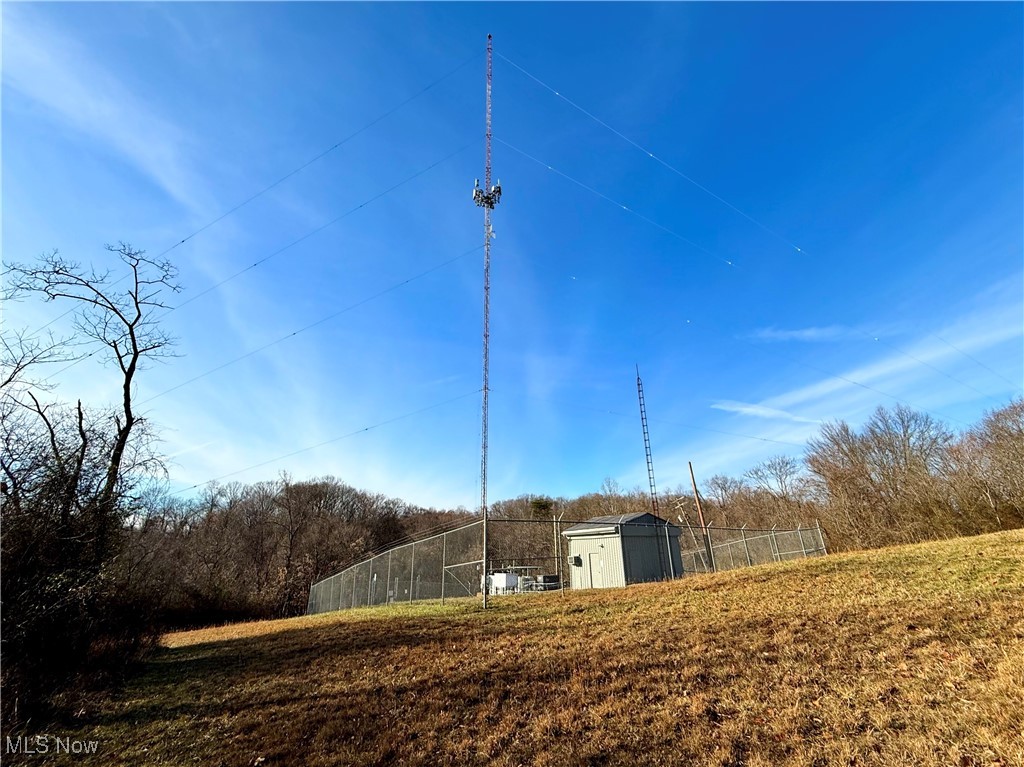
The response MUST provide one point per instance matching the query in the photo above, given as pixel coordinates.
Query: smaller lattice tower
(647, 443)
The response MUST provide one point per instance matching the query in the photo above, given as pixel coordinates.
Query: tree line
(98, 557)
(902, 477)
(250, 551)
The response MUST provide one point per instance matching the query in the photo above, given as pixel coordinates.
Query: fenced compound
(450, 564)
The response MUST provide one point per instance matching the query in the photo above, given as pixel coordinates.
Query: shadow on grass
(199, 678)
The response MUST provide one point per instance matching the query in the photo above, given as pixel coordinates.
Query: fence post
(353, 590)
(775, 545)
(821, 537)
(369, 586)
(746, 549)
(709, 544)
(412, 570)
(800, 534)
(444, 570)
(668, 551)
(561, 557)
(387, 586)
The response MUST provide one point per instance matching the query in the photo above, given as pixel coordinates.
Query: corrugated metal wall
(599, 559)
(645, 558)
(651, 554)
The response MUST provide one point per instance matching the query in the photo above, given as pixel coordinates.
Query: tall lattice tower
(486, 198)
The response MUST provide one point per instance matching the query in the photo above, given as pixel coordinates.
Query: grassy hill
(904, 656)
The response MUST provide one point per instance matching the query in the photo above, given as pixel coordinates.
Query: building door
(596, 571)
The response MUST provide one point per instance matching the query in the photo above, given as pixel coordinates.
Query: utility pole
(703, 527)
(486, 198)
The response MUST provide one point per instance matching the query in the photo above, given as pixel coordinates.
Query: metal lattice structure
(647, 443)
(486, 198)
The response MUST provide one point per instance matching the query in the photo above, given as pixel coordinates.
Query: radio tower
(647, 442)
(486, 198)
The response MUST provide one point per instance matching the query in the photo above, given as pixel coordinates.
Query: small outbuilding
(617, 550)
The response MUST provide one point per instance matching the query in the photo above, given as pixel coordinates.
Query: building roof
(610, 523)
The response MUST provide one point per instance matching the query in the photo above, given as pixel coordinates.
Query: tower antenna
(647, 442)
(486, 198)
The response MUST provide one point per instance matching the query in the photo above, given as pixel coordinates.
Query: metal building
(606, 552)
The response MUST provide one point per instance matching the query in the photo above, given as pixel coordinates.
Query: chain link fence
(448, 564)
(726, 548)
(528, 555)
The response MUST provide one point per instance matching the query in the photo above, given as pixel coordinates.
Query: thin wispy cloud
(760, 411)
(56, 73)
(811, 334)
(899, 366)
(190, 449)
(826, 333)
(990, 324)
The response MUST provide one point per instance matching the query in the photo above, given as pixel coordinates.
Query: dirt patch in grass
(902, 656)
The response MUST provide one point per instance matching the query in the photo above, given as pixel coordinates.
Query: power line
(618, 204)
(730, 263)
(712, 194)
(282, 249)
(931, 366)
(1017, 386)
(294, 171)
(320, 228)
(653, 156)
(312, 325)
(893, 397)
(902, 401)
(324, 153)
(658, 422)
(329, 441)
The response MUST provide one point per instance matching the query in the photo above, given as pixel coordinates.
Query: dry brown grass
(907, 656)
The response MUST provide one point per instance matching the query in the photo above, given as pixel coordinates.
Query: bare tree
(726, 495)
(68, 470)
(984, 470)
(121, 321)
(23, 353)
(883, 485)
(778, 475)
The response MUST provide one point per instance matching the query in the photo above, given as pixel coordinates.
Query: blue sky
(858, 240)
